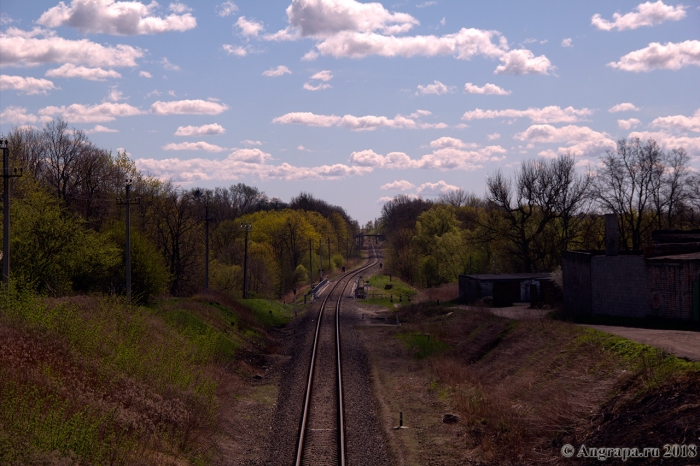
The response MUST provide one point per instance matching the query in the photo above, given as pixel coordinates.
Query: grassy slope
(524, 388)
(89, 380)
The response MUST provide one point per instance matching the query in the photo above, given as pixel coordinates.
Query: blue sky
(354, 102)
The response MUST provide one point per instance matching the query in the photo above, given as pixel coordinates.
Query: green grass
(269, 313)
(379, 294)
(422, 345)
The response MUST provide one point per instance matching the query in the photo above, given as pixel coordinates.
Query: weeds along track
(322, 428)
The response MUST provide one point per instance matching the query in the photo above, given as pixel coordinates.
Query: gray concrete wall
(576, 272)
(670, 288)
(618, 286)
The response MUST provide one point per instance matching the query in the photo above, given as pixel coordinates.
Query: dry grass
(523, 387)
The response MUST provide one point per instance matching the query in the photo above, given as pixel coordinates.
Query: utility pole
(128, 201)
(6, 174)
(247, 227)
(329, 254)
(207, 219)
(320, 262)
(311, 264)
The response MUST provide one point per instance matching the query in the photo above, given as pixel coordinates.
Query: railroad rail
(322, 428)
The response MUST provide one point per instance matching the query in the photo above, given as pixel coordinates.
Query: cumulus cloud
(657, 56)
(523, 61)
(487, 88)
(493, 137)
(451, 142)
(399, 185)
(249, 142)
(241, 163)
(583, 141)
(179, 8)
(201, 145)
(627, 124)
(436, 88)
(145, 74)
(435, 189)
(235, 50)
(26, 85)
(204, 130)
(669, 141)
(363, 123)
(40, 46)
(18, 116)
(623, 107)
(117, 18)
(567, 42)
(550, 114)
(647, 14)
(324, 75)
(319, 87)
(279, 71)
(78, 113)
(226, 9)
(165, 63)
(188, 107)
(679, 122)
(443, 158)
(101, 129)
(249, 28)
(92, 74)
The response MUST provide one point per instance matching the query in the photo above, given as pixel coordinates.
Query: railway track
(322, 428)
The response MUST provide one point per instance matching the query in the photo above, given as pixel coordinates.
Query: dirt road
(685, 344)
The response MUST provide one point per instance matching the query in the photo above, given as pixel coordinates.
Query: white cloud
(78, 113)
(179, 8)
(487, 88)
(302, 148)
(241, 163)
(165, 63)
(679, 122)
(445, 158)
(92, 74)
(399, 185)
(523, 61)
(249, 142)
(451, 142)
(436, 88)
(311, 55)
(187, 107)
(493, 137)
(26, 85)
(226, 9)
(566, 42)
(19, 116)
(320, 87)
(39, 46)
(583, 141)
(648, 14)
(425, 4)
(623, 107)
(204, 130)
(282, 35)
(201, 145)
(366, 123)
(627, 124)
(145, 74)
(435, 189)
(118, 18)
(235, 50)
(101, 129)
(115, 95)
(656, 56)
(324, 75)
(668, 141)
(249, 28)
(325, 18)
(550, 114)
(281, 70)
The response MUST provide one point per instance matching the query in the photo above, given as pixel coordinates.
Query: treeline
(68, 230)
(524, 222)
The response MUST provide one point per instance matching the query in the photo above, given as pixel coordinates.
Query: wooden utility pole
(6, 174)
(128, 201)
(247, 227)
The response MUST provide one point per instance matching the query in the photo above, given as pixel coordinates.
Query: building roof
(506, 277)
(690, 256)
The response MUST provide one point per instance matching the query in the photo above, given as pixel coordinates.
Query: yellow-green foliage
(387, 293)
(422, 345)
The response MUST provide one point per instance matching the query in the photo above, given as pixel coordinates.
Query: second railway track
(321, 438)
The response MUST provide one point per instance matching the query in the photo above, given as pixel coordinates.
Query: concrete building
(505, 289)
(663, 281)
